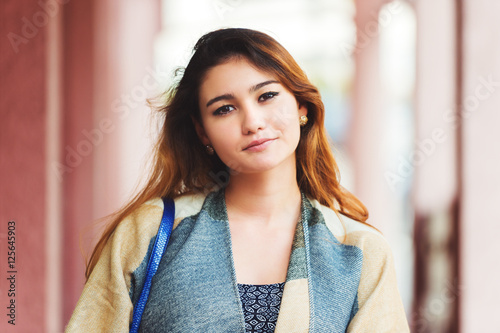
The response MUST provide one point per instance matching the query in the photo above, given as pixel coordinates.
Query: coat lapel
(334, 271)
(322, 279)
(294, 315)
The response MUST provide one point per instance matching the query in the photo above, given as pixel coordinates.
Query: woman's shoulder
(351, 232)
(188, 205)
(152, 210)
(142, 223)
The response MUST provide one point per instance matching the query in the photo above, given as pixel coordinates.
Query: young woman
(265, 238)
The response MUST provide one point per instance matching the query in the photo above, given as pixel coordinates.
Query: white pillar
(480, 114)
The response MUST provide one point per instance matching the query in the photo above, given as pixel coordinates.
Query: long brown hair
(181, 164)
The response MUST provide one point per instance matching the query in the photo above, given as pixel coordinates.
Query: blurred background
(411, 90)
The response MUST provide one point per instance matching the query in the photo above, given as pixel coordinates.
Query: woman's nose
(253, 119)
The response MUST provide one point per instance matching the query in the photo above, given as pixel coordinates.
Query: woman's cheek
(284, 116)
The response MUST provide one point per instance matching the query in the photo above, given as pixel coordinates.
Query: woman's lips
(259, 145)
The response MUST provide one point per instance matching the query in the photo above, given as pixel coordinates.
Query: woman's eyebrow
(262, 84)
(220, 98)
(231, 96)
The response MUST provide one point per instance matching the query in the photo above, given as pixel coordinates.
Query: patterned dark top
(261, 305)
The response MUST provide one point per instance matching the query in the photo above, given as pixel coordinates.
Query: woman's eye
(268, 95)
(223, 110)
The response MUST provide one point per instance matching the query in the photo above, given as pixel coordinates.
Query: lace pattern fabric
(261, 305)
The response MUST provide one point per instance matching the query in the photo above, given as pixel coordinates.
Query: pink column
(367, 122)
(23, 163)
(76, 150)
(109, 49)
(139, 79)
(60, 140)
(480, 118)
(436, 184)
(124, 79)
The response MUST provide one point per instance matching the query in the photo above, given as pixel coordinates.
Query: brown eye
(268, 95)
(225, 109)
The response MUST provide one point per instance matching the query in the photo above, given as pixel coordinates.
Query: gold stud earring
(303, 121)
(209, 149)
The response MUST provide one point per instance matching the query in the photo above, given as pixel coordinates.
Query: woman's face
(248, 117)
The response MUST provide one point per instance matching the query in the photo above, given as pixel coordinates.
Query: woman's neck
(269, 197)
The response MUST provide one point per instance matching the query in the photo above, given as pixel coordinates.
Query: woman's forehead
(234, 74)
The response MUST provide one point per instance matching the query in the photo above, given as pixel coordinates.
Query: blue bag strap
(164, 231)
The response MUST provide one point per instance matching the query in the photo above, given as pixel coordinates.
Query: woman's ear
(200, 131)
